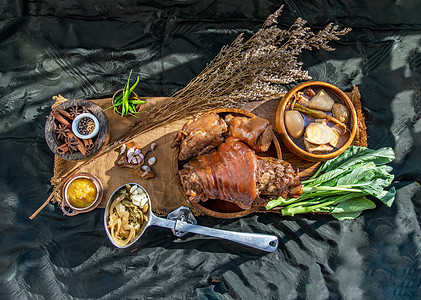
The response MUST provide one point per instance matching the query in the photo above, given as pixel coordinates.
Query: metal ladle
(181, 221)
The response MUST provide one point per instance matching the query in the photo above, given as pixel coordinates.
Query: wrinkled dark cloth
(85, 49)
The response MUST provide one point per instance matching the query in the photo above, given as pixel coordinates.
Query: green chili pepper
(132, 108)
(115, 106)
(118, 98)
(124, 103)
(138, 101)
(134, 86)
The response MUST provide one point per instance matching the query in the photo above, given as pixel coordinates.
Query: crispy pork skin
(233, 172)
(200, 136)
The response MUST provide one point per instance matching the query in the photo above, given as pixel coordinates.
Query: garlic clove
(130, 152)
(145, 168)
(152, 161)
(132, 189)
(123, 149)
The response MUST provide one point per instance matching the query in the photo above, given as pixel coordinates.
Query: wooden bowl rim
(280, 124)
(198, 206)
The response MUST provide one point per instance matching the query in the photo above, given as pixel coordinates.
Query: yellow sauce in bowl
(81, 192)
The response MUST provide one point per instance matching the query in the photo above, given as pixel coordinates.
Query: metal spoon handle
(259, 241)
(263, 242)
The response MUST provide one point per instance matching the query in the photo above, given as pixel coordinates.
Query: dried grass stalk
(240, 73)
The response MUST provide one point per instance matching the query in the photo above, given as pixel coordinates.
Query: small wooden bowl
(286, 139)
(98, 141)
(65, 203)
(219, 208)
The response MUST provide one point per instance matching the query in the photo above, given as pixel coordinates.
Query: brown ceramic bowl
(339, 96)
(71, 210)
(215, 207)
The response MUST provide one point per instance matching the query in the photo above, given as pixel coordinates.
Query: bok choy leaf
(341, 185)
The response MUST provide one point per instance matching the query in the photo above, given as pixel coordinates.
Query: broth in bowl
(316, 121)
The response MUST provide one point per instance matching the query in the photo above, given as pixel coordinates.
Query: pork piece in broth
(233, 172)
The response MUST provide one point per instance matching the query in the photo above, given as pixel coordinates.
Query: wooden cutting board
(163, 189)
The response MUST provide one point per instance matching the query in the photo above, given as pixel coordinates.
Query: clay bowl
(71, 210)
(93, 145)
(293, 145)
(219, 208)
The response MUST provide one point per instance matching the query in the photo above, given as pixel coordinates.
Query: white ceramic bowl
(75, 125)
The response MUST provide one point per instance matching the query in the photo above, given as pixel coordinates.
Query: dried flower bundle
(244, 72)
(240, 73)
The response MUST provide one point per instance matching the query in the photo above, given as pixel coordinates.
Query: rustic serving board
(163, 189)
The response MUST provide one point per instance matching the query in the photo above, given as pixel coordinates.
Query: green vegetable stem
(341, 185)
(125, 102)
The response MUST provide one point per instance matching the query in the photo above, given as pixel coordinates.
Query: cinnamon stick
(57, 115)
(89, 145)
(64, 113)
(80, 146)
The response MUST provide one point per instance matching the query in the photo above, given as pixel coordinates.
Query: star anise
(70, 145)
(74, 111)
(62, 131)
(85, 109)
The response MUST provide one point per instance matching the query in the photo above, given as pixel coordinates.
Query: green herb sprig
(125, 103)
(341, 185)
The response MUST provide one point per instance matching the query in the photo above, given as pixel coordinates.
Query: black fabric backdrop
(85, 49)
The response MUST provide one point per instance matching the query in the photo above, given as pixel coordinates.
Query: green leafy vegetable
(352, 208)
(341, 185)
